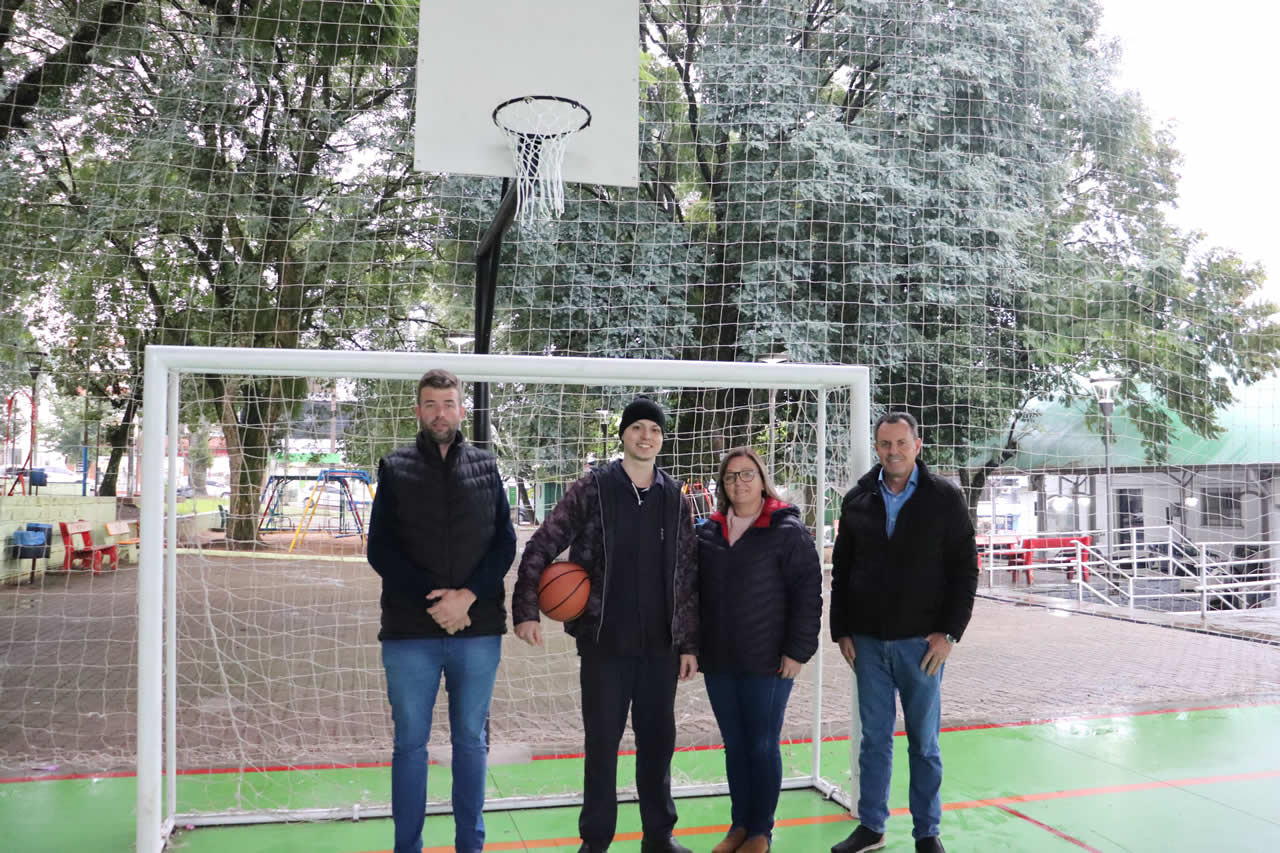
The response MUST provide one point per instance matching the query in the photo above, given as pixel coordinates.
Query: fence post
(1204, 582)
(1079, 571)
(1130, 593)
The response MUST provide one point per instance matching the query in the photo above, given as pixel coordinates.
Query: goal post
(531, 390)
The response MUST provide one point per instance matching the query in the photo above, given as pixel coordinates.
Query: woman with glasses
(760, 586)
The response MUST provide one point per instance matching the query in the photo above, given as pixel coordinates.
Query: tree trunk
(972, 483)
(118, 437)
(524, 501)
(198, 457)
(247, 429)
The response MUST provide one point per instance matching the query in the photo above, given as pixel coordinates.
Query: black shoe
(587, 848)
(860, 839)
(663, 845)
(932, 844)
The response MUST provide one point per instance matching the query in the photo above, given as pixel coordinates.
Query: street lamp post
(84, 447)
(1104, 388)
(35, 363)
(604, 416)
(459, 341)
(777, 358)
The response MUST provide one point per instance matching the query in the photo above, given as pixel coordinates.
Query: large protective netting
(957, 195)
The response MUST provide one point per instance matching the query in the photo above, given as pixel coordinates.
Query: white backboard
(473, 55)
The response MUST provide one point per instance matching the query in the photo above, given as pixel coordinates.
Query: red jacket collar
(771, 505)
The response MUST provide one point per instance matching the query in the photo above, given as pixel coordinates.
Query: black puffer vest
(445, 521)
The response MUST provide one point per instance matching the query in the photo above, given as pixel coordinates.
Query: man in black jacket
(440, 535)
(904, 572)
(630, 527)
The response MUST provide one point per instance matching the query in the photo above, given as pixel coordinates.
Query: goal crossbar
(505, 368)
(157, 566)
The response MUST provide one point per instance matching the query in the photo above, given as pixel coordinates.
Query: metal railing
(1135, 571)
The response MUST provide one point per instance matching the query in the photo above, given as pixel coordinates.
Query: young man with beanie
(630, 527)
(440, 535)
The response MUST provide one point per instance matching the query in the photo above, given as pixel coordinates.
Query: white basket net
(538, 128)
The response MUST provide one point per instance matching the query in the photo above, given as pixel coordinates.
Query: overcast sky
(1211, 68)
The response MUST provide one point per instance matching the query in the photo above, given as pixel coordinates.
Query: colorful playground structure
(351, 519)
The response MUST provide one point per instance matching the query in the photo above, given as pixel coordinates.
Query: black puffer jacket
(760, 598)
(921, 581)
(440, 523)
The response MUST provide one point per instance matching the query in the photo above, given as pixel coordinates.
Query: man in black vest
(904, 572)
(440, 535)
(628, 524)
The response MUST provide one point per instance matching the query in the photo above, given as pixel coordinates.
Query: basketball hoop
(538, 128)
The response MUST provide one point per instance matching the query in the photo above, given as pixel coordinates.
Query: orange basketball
(563, 591)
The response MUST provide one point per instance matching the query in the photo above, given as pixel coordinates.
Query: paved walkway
(1261, 624)
(279, 662)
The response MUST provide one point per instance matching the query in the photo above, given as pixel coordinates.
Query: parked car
(216, 488)
(60, 474)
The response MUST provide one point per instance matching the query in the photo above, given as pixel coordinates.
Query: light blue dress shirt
(893, 503)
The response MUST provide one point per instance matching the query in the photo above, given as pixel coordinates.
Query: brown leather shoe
(732, 841)
(755, 844)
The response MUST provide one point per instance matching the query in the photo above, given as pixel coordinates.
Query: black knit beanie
(642, 409)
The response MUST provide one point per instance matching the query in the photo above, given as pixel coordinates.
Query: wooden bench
(123, 527)
(86, 553)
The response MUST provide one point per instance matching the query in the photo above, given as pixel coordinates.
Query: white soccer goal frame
(157, 813)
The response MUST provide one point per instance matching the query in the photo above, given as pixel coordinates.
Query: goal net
(273, 704)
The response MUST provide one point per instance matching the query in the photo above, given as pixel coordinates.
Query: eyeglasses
(741, 476)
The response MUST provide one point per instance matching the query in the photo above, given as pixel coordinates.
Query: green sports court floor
(1162, 781)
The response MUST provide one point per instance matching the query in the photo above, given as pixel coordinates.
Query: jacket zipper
(675, 563)
(604, 557)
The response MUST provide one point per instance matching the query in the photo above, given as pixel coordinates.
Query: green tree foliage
(209, 197)
(953, 194)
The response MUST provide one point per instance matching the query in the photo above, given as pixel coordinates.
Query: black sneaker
(662, 845)
(860, 839)
(932, 844)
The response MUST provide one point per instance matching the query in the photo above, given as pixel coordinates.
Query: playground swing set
(24, 473)
(351, 520)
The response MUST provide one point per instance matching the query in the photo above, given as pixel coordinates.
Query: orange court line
(1107, 789)
(997, 802)
(1052, 830)
(286, 768)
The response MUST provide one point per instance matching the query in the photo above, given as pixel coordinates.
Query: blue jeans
(882, 668)
(749, 710)
(414, 667)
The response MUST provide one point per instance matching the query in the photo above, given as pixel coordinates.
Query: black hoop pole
(488, 255)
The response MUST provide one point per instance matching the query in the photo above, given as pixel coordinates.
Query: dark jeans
(612, 684)
(749, 710)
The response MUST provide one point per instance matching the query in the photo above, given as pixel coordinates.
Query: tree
(200, 457)
(211, 201)
(50, 72)
(952, 194)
